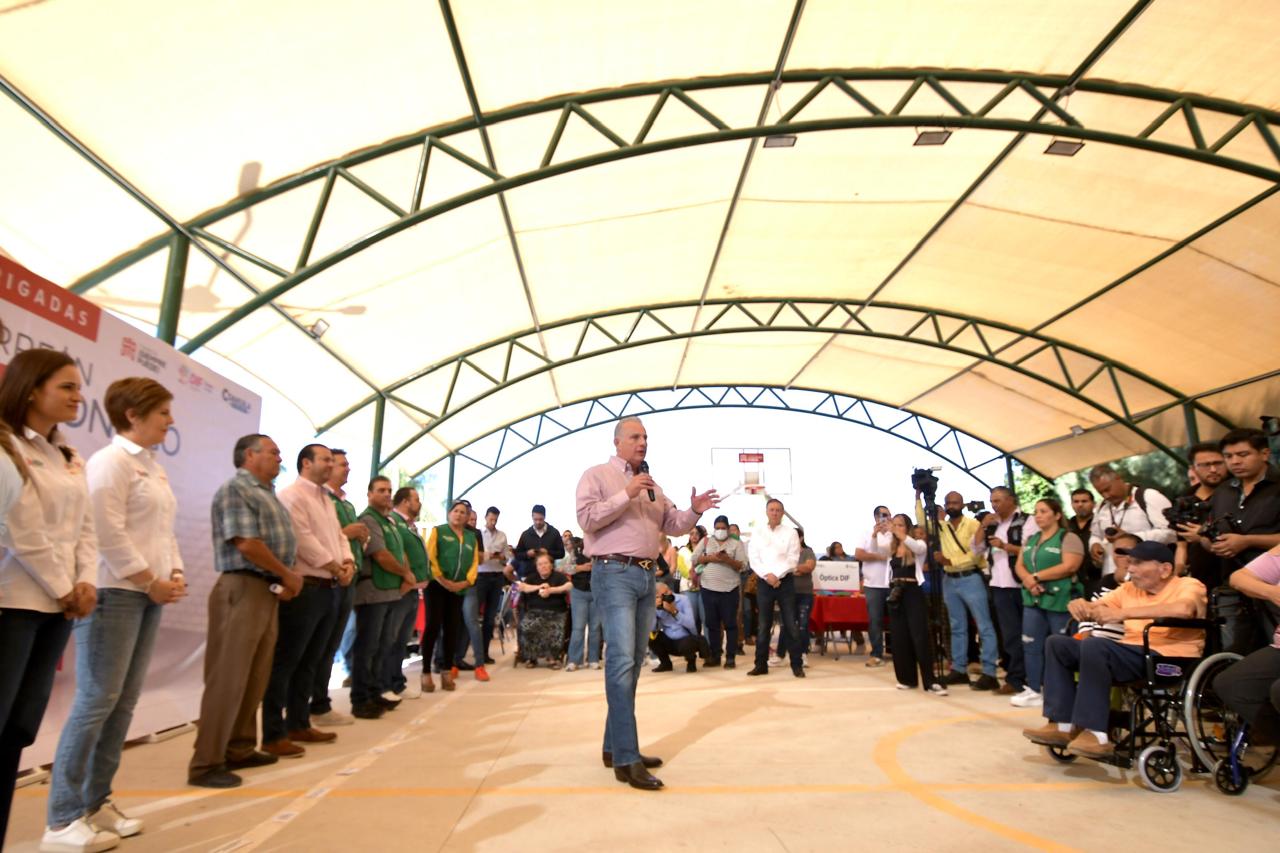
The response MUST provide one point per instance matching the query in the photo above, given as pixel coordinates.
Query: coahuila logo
(238, 403)
(146, 358)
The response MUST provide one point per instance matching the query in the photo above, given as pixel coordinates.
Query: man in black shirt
(1083, 504)
(1210, 470)
(540, 537)
(1246, 518)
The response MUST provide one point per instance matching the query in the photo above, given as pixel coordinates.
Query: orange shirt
(1172, 642)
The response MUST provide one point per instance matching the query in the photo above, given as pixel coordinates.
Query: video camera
(667, 598)
(924, 482)
(1222, 526)
(1188, 509)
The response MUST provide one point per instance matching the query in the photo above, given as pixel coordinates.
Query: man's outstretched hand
(703, 502)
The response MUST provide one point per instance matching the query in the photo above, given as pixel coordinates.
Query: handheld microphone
(644, 469)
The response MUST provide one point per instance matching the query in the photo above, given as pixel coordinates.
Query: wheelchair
(1173, 715)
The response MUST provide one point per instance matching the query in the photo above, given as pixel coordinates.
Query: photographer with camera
(1128, 508)
(676, 632)
(874, 553)
(1244, 524)
(1083, 504)
(963, 591)
(1192, 509)
(1002, 533)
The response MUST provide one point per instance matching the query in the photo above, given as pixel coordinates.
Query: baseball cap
(1148, 551)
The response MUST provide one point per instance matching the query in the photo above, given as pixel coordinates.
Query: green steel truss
(512, 442)
(1103, 384)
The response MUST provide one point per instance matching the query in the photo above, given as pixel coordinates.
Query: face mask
(721, 535)
(955, 513)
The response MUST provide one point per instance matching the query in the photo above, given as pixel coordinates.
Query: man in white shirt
(873, 553)
(1128, 509)
(774, 552)
(489, 579)
(1002, 533)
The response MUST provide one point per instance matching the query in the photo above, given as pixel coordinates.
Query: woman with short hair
(139, 571)
(48, 560)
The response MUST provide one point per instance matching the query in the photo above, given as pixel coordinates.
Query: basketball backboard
(751, 470)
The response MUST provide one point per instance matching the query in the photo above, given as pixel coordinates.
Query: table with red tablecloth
(837, 613)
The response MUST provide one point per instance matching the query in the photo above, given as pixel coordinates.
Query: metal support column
(1193, 428)
(379, 410)
(453, 464)
(175, 278)
(1008, 472)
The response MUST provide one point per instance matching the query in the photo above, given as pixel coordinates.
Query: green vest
(347, 515)
(454, 557)
(414, 548)
(1038, 557)
(383, 579)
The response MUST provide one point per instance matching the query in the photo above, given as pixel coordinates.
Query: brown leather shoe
(1007, 689)
(1050, 735)
(312, 736)
(428, 684)
(283, 748)
(446, 681)
(1086, 744)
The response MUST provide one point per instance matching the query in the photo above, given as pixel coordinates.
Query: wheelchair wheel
(1060, 754)
(1158, 766)
(1205, 716)
(1232, 784)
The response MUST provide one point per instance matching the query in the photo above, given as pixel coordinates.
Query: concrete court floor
(837, 761)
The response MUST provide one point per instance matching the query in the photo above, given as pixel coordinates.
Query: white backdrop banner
(210, 414)
(836, 576)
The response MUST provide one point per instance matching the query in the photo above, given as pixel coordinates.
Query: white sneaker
(804, 659)
(902, 686)
(412, 690)
(391, 696)
(78, 837)
(111, 819)
(1028, 698)
(329, 719)
(571, 667)
(595, 665)
(938, 689)
(775, 661)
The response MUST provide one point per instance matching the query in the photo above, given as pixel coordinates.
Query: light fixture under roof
(318, 328)
(1064, 147)
(780, 140)
(1077, 430)
(932, 137)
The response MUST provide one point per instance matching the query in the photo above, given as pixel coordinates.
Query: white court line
(250, 781)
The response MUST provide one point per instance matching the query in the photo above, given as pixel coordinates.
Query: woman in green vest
(455, 560)
(1047, 567)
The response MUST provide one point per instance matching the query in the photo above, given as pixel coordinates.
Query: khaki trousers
(243, 620)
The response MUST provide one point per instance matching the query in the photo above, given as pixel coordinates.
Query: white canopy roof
(500, 208)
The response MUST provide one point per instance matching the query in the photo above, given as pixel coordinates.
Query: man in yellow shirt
(964, 592)
(1078, 714)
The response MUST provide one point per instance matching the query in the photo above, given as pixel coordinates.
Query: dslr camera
(1188, 509)
(1221, 526)
(667, 598)
(924, 481)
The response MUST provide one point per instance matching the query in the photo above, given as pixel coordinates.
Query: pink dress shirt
(315, 523)
(612, 523)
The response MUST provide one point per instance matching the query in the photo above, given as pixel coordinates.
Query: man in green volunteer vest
(404, 614)
(385, 579)
(323, 713)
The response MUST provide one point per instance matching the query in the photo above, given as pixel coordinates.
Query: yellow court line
(885, 756)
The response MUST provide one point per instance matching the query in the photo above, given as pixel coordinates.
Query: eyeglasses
(1210, 465)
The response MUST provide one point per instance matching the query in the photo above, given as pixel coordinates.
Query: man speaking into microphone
(622, 512)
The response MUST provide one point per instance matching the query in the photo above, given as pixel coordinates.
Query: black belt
(963, 574)
(253, 574)
(646, 563)
(902, 581)
(327, 583)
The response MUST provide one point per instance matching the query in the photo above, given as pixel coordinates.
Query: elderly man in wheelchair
(1079, 714)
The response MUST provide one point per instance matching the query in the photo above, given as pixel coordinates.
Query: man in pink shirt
(623, 513)
(1251, 687)
(306, 621)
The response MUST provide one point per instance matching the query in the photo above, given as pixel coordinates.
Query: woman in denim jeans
(139, 571)
(582, 608)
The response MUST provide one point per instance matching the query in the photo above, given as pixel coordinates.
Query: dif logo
(238, 403)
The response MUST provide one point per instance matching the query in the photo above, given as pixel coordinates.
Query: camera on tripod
(925, 482)
(1188, 509)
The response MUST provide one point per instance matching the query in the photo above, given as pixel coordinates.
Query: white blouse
(10, 487)
(133, 513)
(48, 545)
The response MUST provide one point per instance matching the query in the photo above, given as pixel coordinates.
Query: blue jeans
(113, 649)
(877, 596)
(1009, 615)
(347, 645)
(969, 593)
(340, 607)
(373, 637)
(1100, 663)
(471, 620)
(586, 618)
(32, 644)
(804, 606)
(722, 616)
(785, 596)
(403, 616)
(623, 594)
(1037, 626)
(305, 623)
